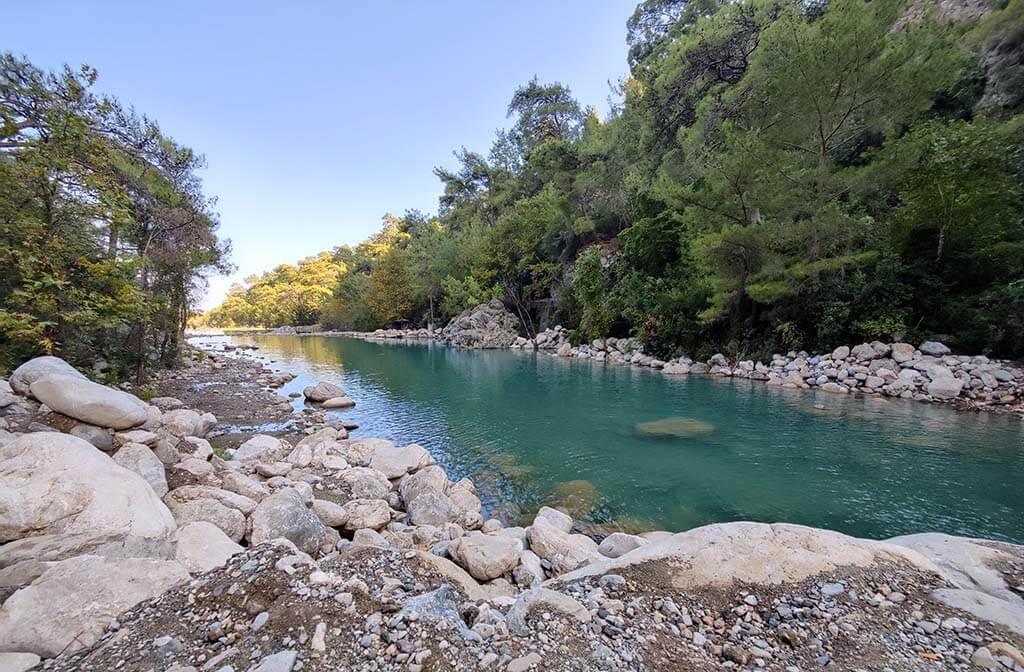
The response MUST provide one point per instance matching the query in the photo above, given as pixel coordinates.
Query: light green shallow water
(530, 429)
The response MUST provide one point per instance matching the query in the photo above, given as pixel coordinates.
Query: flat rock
(18, 662)
(972, 566)
(546, 599)
(259, 447)
(339, 402)
(395, 462)
(751, 553)
(70, 606)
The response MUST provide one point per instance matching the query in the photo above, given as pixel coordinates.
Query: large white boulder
(82, 399)
(40, 367)
(70, 606)
(202, 546)
(57, 492)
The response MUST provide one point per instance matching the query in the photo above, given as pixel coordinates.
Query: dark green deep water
(530, 428)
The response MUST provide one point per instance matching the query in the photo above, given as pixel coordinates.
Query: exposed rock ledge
(341, 553)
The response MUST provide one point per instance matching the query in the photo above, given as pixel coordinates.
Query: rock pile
(488, 325)
(926, 373)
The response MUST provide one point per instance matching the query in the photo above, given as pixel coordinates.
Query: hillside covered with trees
(776, 175)
(104, 228)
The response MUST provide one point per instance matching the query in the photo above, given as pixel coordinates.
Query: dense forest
(775, 175)
(104, 228)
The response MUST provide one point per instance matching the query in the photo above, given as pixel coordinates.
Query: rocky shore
(928, 372)
(130, 543)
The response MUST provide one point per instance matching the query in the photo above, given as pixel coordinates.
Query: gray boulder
(945, 387)
(323, 391)
(231, 521)
(395, 462)
(366, 483)
(140, 459)
(284, 514)
(934, 348)
(259, 447)
(183, 422)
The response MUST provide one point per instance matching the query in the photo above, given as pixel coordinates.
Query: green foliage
(287, 295)
(104, 230)
(775, 175)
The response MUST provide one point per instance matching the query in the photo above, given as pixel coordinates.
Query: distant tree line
(105, 232)
(775, 175)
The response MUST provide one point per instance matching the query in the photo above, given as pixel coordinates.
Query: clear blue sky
(318, 118)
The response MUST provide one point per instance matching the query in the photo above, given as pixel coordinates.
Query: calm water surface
(531, 429)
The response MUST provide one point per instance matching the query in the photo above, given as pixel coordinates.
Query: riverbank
(928, 373)
(390, 565)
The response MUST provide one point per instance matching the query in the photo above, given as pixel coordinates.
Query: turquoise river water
(532, 429)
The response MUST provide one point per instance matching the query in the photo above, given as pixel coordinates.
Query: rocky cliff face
(488, 325)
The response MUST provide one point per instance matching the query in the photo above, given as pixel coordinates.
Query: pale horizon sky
(317, 119)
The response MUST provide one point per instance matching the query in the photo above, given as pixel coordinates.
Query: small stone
(524, 663)
(260, 620)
